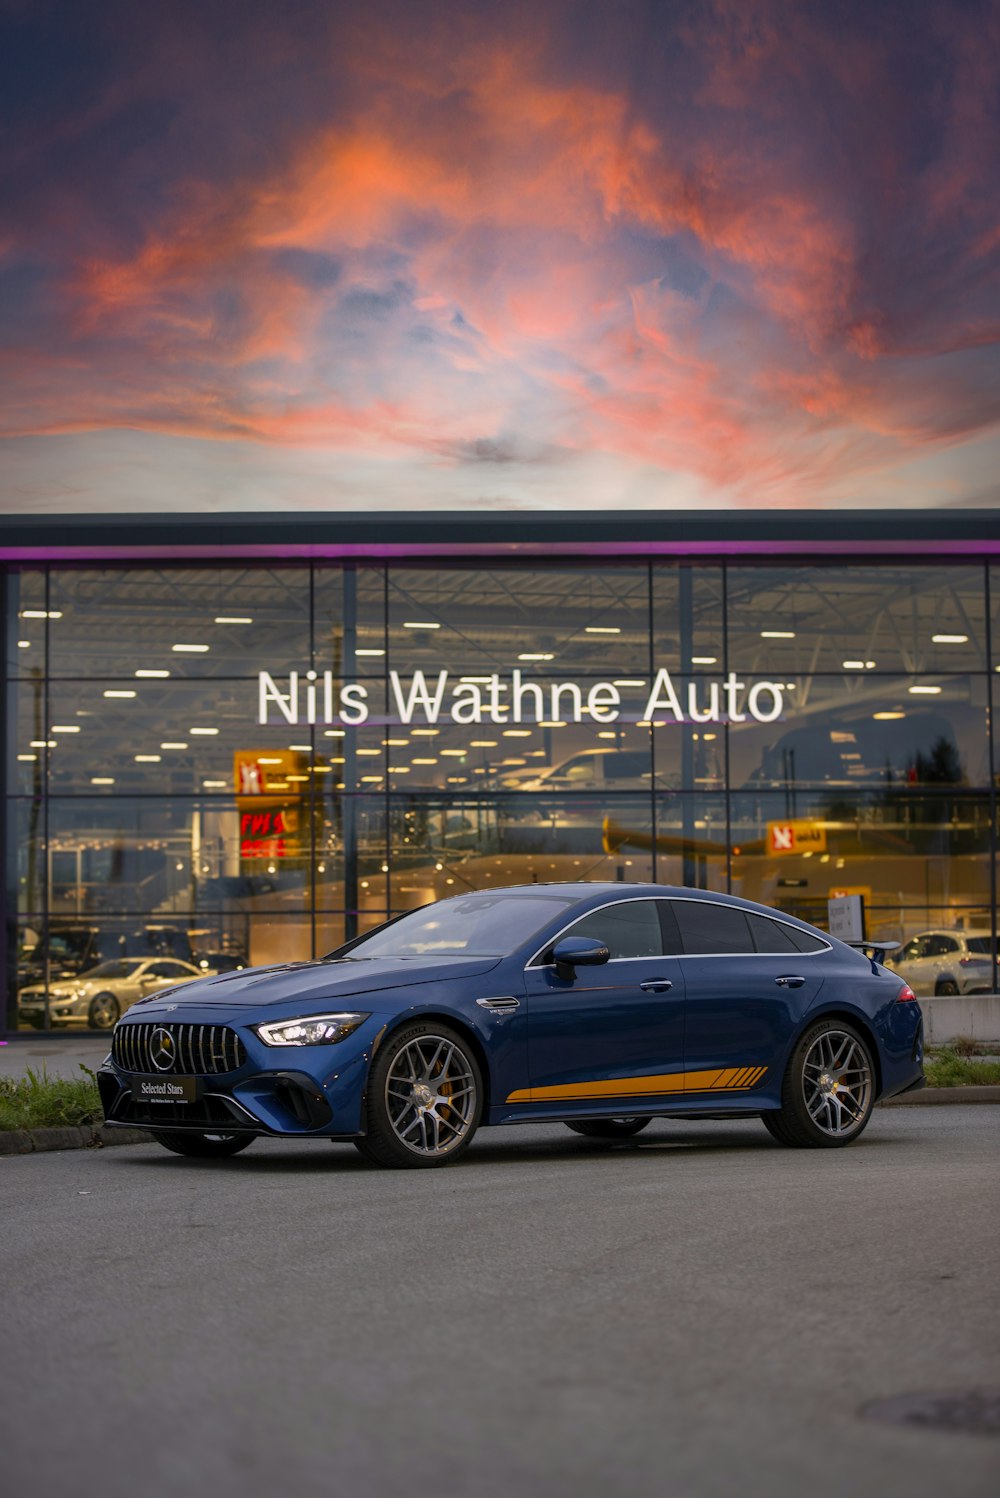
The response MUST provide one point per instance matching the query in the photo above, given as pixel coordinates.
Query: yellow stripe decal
(728, 1079)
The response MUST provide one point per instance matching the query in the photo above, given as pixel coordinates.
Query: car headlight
(313, 1029)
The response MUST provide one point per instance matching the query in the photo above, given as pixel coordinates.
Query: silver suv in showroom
(946, 962)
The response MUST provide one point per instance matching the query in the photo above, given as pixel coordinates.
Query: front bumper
(289, 1091)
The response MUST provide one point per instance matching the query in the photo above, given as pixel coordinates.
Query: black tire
(828, 1090)
(609, 1128)
(945, 987)
(411, 1122)
(104, 1012)
(205, 1146)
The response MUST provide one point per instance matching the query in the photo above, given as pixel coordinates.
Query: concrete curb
(934, 1095)
(79, 1137)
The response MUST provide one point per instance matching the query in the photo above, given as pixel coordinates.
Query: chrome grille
(202, 1050)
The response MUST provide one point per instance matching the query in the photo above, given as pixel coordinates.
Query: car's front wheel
(829, 1089)
(609, 1128)
(204, 1146)
(104, 1012)
(425, 1098)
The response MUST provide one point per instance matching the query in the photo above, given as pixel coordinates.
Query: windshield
(467, 925)
(112, 970)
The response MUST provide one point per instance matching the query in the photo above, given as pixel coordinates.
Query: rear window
(805, 941)
(707, 929)
(771, 936)
(981, 944)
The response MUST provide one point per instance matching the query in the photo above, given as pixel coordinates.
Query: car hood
(308, 982)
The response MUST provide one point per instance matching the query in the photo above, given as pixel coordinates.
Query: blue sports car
(600, 1006)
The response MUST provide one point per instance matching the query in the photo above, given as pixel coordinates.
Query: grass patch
(949, 1068)
(38, 1101)
(968, 1045)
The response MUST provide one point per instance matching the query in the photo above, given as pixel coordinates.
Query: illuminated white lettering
(521, 689)
(354, 704)
(663, 697)
(497, 709)
(558, 689)
(472, 703)
(603, 701)
(419, 695)
(773, 688)
(712, 713)
(731, 687)
(466, 703)
(287, 703)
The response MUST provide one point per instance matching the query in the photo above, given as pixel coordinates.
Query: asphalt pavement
(695, 1312)
(58, 1056)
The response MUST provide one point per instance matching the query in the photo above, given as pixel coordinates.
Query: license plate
(166, 1089)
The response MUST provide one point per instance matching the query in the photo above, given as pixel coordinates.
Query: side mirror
(578, 951)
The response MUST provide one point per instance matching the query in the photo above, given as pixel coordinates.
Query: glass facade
(237, 763)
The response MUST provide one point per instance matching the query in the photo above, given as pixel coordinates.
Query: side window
(630, 929)
(707, 928)
(626, 765)
(160, 970)
(771, 936)
(941, 946)
(804, 941)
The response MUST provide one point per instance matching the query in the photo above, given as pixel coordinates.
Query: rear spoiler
(876, 950)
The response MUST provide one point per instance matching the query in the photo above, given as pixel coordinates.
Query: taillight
(972, 961)
(906, 995)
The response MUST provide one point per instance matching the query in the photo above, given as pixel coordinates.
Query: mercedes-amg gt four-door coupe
(600, 1006)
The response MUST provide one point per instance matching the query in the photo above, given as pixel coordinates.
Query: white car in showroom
(946, 962)
(100, 997)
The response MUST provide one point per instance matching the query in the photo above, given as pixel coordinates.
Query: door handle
(789, 982)
(656, 985)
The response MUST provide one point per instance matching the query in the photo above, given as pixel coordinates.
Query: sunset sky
(546, 255)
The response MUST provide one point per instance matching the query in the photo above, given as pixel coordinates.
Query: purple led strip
(379, 550)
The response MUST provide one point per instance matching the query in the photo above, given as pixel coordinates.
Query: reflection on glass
(839, 732)
(836, 738)
(688, 619)
(27, 622)
(919, 620)
(152, 624)
(469, 925)
(479, 621)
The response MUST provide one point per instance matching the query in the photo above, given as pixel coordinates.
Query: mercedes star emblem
(162, 1050)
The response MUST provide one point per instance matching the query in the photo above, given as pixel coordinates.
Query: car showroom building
(242, 740)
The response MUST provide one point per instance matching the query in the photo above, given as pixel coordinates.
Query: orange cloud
(495, 249)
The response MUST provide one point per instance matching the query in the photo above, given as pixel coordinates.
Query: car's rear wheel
(609, 1128)
(205, 1146)
(828, 1091)
(104, 1012)
(425, 1098)
(945, 988)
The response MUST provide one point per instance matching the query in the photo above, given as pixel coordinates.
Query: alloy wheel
(837, 1083)
(430, 1095)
